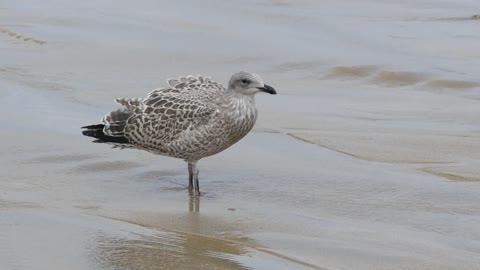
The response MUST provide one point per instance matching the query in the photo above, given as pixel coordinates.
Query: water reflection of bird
(192, 118)
(194, 203)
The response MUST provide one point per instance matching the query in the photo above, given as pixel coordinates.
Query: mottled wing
(202, 88)
(115, 121)
(165, 114)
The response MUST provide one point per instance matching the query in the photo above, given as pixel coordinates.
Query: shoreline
(367, 158)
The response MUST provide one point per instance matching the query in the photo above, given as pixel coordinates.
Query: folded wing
(165, 114)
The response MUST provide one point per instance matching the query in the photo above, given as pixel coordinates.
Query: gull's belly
(210, 140)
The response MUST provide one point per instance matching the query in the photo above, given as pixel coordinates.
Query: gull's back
(168, 121)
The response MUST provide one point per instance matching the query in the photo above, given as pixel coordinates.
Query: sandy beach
(368, 157)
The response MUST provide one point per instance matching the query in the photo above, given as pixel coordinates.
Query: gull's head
(248, 84)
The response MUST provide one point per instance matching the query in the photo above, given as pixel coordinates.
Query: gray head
(248, 84)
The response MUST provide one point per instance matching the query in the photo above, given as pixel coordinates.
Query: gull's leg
(190, 176)
(195, 178)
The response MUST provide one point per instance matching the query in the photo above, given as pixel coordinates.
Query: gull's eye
(244, 81)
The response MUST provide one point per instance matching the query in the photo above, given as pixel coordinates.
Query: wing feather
(186, 104)
(192, 83)
(167, 113)
(115, 121)
(155, 126)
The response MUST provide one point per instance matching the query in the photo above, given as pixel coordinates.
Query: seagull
(191, 118)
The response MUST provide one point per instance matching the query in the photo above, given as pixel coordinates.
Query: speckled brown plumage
(191, 118)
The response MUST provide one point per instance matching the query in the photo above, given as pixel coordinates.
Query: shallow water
(367, 159)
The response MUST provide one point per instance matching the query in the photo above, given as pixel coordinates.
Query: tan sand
(367, 158)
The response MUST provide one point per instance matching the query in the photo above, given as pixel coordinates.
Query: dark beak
(267, 89)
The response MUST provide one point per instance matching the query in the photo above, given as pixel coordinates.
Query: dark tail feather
(99, 126)
(96, 131)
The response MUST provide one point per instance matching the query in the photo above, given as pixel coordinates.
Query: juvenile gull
(191, 118)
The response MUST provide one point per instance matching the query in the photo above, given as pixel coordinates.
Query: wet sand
(368, 158)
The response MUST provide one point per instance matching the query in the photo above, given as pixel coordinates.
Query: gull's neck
(240, 107)
(234, 100)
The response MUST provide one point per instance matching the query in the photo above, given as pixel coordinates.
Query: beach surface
(368, 157)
